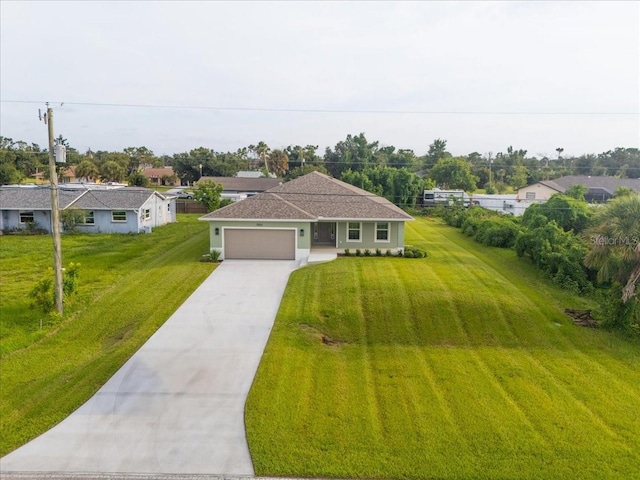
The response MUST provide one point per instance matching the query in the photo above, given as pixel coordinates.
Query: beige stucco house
(599, 189)
(312, 212)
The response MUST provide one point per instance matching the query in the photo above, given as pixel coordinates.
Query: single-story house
(117, 210)
(312, 212)
(161, 176)
(600, 189)
(239, 188)
(68, 174)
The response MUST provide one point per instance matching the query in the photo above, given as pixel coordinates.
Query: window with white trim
(88, 219)
(147, 213)
(26, 217)
(354, 230)
(382, 232)
(119, 216)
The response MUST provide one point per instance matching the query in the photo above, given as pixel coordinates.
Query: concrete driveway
(177, 406)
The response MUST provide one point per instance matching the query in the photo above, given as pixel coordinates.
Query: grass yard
(128, 286)
(458, 366)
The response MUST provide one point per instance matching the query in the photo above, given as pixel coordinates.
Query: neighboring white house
(118, 210)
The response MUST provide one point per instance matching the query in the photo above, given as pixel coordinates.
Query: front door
(324, 233)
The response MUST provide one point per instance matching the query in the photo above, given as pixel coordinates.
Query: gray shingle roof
(39, 198)
(113, 199)
(608, 184)
(33, 198)
(311, 197)
(242, 184)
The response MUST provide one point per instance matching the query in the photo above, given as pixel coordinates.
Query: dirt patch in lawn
(582, 318)
(318, 335)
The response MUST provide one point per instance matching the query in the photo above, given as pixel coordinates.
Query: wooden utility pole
(55, 217)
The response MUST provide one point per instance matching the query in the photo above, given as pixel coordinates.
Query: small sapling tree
(208, 194)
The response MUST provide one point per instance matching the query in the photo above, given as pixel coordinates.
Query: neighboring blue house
(116, 210)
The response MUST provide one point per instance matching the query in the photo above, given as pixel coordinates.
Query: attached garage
(261, 244)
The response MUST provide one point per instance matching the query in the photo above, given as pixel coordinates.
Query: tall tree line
(355, 159)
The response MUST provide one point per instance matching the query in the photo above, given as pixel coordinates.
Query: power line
(325, 110)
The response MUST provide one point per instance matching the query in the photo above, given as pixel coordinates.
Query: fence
(189, 206)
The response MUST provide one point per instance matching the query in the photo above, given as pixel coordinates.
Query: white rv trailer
(435, 197)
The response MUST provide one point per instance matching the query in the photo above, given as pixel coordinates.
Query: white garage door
(259, 244)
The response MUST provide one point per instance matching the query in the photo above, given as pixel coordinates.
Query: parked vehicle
(435, 197)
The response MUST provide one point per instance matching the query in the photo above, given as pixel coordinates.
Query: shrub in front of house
(367, 252)
(414, 252)
(347, 252)
(358, 252)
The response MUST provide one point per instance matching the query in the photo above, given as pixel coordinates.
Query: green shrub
(42, 294)
(614, 314)
(414, 252)
(557, 253)
(378, 252)
(347, 252)
(70, 279)
(71, 218)
(497, 232)
(358, 252)
(388, 252)
(367, 252)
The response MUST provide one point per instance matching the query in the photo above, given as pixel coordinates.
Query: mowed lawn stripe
(461, 365)
(583, 397)
(579, 401)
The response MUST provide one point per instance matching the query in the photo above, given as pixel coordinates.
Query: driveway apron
(177, 406)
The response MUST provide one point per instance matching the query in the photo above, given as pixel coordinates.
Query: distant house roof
(158, 172)
(594, 184)
(244, 184)
(69, 171)
(313, 196)
(249, 174)
(39, 198)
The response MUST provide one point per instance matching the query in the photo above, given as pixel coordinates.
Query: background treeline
(396, 173)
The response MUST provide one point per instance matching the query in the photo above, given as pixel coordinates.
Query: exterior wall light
(302, 232)
(217, 231)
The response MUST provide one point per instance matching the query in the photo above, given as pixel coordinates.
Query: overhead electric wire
(319, 110)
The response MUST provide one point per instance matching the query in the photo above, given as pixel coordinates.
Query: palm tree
(279, 162)
(262, 152)
(616, 244)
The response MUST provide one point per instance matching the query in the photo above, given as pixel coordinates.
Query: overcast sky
(481, 75)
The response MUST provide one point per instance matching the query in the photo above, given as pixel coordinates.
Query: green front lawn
(128, 286)
(461, 365)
